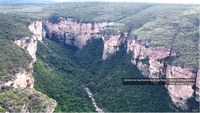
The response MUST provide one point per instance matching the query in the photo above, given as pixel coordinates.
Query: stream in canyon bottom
(90, 95)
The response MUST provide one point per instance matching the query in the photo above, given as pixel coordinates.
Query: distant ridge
(27, 1)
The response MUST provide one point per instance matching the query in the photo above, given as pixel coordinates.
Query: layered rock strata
(71, 32)
(152, 61)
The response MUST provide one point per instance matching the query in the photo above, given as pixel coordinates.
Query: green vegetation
(12, 57)
(13, 100)
(60, 78)
(106, 84)
(2, 109)
(160, 24)
(14, 26)
(58, 75)
(180, 32)
(97, 12)
(62, 73)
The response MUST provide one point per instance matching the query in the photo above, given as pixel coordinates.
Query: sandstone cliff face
(150, 60)
(112, 44)
(180, 93)
(23, 80)
(30, 43)
(70, 32)
(152, 63)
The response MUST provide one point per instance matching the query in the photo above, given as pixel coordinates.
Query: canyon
(152, 61)
(72, 57)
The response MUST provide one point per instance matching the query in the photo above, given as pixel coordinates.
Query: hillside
(94, 45)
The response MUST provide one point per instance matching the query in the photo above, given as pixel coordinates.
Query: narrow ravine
(99, 110)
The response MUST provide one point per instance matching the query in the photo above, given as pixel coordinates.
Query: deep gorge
(71, 57)
(112, 45)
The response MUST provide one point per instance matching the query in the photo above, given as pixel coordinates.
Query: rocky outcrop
(23, 81)
(24, 77)
(112, 44)
(71, 32)
(152, 61)
(180, 93)
(30, 43)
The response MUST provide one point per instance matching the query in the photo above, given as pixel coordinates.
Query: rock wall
(112, 44)
(74, 33)
(71, 32)
(180, 93)
(152, 61)
(30, 43)
(23, 80)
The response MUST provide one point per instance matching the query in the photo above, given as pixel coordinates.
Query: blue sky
(149, 1)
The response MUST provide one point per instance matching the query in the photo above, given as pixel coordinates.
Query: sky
(149, 1)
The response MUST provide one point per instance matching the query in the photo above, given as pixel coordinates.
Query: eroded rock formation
(180, 93)
(24, 78)
(152, 61)
(74, 33)
(30, 43)
(23, 81)
(112, 44)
